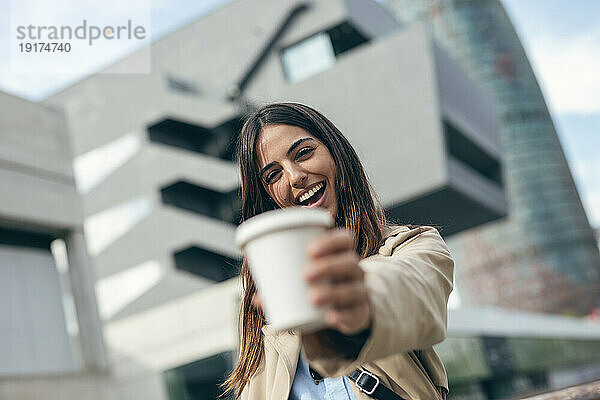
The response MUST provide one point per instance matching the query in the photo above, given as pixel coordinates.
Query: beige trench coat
(409, 282)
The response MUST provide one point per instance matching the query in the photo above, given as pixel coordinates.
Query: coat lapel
(287, 346)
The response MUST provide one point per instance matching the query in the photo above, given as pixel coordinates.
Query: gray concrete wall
(39, 204)
(35, 163)
(388, 110)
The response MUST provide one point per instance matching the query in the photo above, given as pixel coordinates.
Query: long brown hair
(358, 211)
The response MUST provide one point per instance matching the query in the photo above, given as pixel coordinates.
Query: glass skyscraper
(543, 257)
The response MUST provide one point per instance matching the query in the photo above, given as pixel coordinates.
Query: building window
(34, 332)
(308, 58)
(205, 263)
(200, 379)
(21, 238)
(218, 141)
(345, 37)
(204, 201)
(470, 154)
(318, 52)
(182, 86)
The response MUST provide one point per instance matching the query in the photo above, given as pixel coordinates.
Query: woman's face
(296, 169)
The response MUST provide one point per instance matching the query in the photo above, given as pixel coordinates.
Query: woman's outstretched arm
(407, 284)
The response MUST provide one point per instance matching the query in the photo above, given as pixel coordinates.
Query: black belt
(370, 384)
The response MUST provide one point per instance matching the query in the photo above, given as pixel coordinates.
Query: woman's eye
(303, 152)
(270, 176)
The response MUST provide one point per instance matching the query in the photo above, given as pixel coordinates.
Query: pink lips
(320, 201)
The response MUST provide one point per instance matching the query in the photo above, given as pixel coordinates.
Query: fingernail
(313, 248)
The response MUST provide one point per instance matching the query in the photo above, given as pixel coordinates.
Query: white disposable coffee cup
(275, 244)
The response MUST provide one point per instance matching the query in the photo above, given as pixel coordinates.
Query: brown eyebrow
(292, 147)
(296, 144)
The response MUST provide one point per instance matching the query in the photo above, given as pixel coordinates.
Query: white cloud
(567, 68)
(591, 201)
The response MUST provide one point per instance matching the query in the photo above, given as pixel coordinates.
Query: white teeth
(310, 193)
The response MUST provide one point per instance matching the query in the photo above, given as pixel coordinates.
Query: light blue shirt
(304, 387)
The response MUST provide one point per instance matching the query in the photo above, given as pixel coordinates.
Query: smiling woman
(285, 148)
(384, 288)
(301, 171)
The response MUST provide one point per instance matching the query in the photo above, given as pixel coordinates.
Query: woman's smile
(313, 196)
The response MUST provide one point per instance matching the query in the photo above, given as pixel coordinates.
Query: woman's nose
(297, 177)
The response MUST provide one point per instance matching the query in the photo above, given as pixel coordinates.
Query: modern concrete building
(153, 165)
(544, 256)
(49, 320)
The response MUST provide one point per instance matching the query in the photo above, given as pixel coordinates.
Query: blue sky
(561, 37)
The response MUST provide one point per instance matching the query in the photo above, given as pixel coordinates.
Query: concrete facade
(40, 207)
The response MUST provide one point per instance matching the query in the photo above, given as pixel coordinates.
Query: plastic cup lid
(276, 220)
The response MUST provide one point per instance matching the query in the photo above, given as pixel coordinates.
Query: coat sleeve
(409, 282)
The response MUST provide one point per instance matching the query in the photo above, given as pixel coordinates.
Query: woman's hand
(337, 282)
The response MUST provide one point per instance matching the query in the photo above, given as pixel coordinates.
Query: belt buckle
(370, 375)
